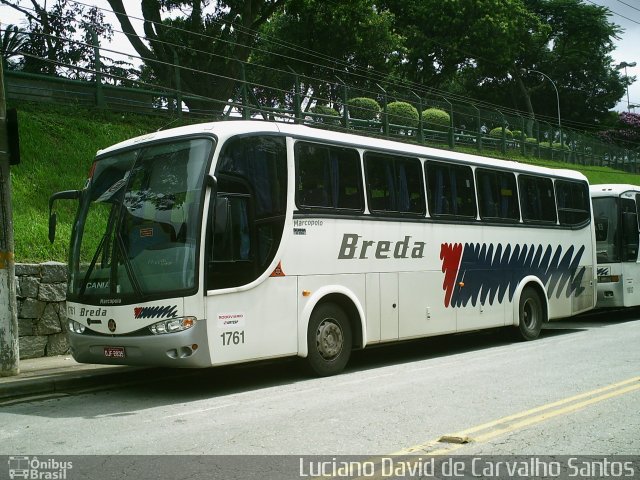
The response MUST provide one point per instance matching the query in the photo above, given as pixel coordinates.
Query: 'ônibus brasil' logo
(156, 312)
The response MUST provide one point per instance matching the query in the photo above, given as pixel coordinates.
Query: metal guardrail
(469, 124)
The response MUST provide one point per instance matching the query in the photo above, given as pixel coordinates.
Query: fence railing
(469, 125)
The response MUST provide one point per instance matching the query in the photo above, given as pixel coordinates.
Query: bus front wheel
(328, 340)
(531, 314)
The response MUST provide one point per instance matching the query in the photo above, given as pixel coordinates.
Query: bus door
(629, 251)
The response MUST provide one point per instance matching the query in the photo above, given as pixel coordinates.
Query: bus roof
(229, 128)
(612, 189)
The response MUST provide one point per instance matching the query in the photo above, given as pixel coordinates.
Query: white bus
(615, 212)
(235, 241)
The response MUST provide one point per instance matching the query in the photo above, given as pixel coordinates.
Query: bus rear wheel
(531, 314)
(328, 340)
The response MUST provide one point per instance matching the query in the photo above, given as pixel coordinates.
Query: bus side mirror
(13, 136)
(53, 218)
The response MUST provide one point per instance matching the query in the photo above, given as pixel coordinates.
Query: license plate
(114, 352)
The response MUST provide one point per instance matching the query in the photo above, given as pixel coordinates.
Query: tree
(571, 45)
(626, 132)
(61, 38)
(12, 41)
(209, 49)
(321, 41)
(441, 37)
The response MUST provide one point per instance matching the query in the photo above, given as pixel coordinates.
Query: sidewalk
(49, 375)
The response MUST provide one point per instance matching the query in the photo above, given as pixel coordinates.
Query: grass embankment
(58, 145)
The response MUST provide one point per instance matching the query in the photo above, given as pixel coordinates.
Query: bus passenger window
(574, 203)
(394, 184)
(450, 190)
(537, 199)
(328, 177)
(497, 195)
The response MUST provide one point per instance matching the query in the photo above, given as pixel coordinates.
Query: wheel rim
(529, 313)
(329, 339)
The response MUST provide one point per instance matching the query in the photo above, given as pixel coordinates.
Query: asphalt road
(574, 391)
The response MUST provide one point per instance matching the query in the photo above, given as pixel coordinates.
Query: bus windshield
(138, 222)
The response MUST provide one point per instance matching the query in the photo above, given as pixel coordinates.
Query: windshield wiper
(127, 264)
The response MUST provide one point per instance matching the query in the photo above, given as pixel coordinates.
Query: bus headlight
(173, 325)
(75, 327)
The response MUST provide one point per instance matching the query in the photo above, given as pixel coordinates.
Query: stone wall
(40, 291)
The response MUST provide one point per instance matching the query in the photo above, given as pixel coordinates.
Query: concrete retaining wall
(41, 294)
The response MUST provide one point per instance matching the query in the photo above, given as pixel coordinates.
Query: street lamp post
(625, 65)
(526, 70)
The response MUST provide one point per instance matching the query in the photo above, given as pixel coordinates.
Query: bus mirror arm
(53, 217)
(212, 181)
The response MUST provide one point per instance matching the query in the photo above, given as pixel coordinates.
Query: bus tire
(531, 314)
(329, 340)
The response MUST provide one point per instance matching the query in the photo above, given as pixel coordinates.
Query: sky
(625, 13)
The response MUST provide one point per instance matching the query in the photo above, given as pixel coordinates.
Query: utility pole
(9, 354)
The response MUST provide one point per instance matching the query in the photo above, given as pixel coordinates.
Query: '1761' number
(232, 338)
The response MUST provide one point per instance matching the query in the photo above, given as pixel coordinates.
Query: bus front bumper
(188, 348)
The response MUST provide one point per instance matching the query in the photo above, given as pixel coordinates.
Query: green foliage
(325, 110)
(364, 108)
(57, 147)
(403, 113)
(531, 140)
(497, 133)
(517, 134)
(59, 37)
(560, 146)
(357, 34)
(436, 119)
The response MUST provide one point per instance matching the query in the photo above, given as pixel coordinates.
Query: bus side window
(537, 199)
(450, 190)
(573, 202)
(394, 184)
(497, 195)
(328, 177)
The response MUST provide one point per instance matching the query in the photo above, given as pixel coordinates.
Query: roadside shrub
(532, 140)
(403, 113)
(436, 119)
(497, 133)
(325, 110)
(517, 134)
(560, 146)
(363, 108)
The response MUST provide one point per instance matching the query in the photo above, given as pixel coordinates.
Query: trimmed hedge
(497, 133)
(436, 119)
(325, 110)
(363, 108)
(404, 114)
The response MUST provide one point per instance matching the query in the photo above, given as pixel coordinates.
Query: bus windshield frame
(137, 230)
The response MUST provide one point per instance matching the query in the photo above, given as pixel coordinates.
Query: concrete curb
(70, 381)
